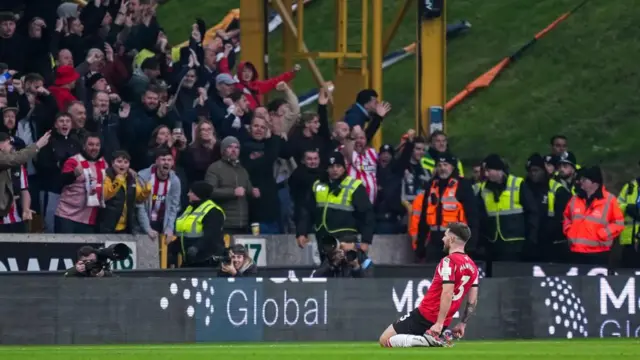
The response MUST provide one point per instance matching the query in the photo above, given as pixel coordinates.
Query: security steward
(630, 205)
(448, 198)
(199, 228)
(509, 216)
(592, 220)
(567, 173)
(339, 206)
(552, 243)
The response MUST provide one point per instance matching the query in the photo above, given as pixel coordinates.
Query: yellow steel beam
(341, 33)
(254, 29)
(300, 18)
(330, 55)
(365, 34)
(288, 22)
(431, 78)
(376, 59)
(397, 20)
(288, 40)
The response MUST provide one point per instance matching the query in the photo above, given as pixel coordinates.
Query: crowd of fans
(116, 130)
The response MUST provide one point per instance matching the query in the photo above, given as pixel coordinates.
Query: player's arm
(472, 302)
(445, 301)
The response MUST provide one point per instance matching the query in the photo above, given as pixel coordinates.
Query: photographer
(87, 265)
(238, 263)
(343, 259)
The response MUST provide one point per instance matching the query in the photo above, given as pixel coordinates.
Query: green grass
(507, 350)
(580, 80)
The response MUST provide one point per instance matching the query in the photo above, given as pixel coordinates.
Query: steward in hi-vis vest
(199, 228)
(338, 207)
(509, 216)
(448, 198)
(630, 205)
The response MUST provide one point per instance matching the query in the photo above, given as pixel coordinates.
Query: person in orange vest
(447, 198)
(592, 220)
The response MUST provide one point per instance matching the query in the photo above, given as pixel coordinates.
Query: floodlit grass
(506, 350)
(580, 80)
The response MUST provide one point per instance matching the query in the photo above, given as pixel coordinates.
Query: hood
(241, 67)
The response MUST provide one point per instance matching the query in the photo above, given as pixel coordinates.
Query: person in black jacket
(314, 133)
(241, 264)
(341, 263)
(302, 179)
(202, 250)
(64, 144)
(338, 206)
(388, 207)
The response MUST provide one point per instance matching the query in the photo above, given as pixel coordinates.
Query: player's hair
(460, 230)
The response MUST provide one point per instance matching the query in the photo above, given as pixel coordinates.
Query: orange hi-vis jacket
(592, 229)
(452, 210)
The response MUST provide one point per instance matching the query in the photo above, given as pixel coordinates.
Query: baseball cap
(225, 79)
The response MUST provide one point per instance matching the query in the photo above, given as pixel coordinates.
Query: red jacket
(63, 97)
(592, 229)
(255, 88)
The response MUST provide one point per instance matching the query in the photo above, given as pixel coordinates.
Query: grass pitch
(619, 349)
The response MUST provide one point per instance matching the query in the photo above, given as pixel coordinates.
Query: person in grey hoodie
(157, 215)
(232, 187)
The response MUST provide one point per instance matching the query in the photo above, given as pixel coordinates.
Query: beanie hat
(66, 74)
(226, 142)
(535, 160)
(448, 158)
(592, 173)
(387, 148)
(336, 158)
(201, 189)
(494, 162)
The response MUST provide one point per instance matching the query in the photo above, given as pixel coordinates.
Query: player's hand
(436, 328)
(458, 330)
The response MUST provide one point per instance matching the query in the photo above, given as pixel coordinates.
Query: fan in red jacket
(254, 88)
(66, 77)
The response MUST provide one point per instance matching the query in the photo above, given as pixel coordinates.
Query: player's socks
(402, 340)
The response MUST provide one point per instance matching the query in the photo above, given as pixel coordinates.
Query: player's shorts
(412, 324)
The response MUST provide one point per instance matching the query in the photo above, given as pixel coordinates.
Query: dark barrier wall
(48, 310)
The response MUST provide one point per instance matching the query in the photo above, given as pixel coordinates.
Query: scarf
(93, 180)
(159, 191)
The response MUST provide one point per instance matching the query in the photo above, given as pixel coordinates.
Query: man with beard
(362, 161)
(232, 186)
(122, 191)
(13, 48)
(82, 193)
(157, 214)
(144, 118)
(552, 246)
(303, 177)
(567, 173)
(78, 113)
(509, 216)
(338, 206)
(448, 198)
(37, 108)
(438, 144)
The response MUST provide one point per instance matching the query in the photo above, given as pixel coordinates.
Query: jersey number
(458, 295)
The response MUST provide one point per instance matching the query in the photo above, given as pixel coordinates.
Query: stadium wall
(45, 310)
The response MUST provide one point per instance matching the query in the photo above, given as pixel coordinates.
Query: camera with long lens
(104, 257)
(330, 244)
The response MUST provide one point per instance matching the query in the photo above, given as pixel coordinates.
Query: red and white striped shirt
(158, 197)
(364, 167)
(20, 181)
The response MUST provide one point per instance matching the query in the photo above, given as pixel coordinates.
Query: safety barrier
(197, 309)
